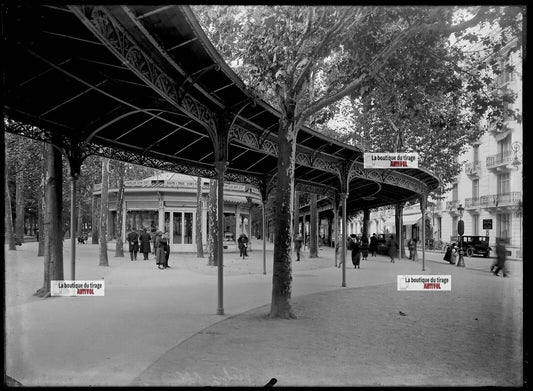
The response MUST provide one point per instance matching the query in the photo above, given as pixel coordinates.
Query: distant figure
(298, 245)
(243, 245)
(145, 243)
(501, 257)
(161, 251)
(392, 248)
(448, 254)
(133, 241)
(411, 245)
(349, 246)
(364, 247)
(356, 252)
(373, 245)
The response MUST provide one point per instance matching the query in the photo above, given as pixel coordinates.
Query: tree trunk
(7, 205)
(199, 241)
(282, 276)
(53, 230)
(42, 202)
(313, 234)
(94, 219)
(19, 201)
(212, 232)
(104, 210)
(296, 221)
(119, 249)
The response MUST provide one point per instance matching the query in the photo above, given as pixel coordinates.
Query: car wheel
(469, 252)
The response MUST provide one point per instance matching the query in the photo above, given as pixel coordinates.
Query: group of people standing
(361, 247)
(141, 243)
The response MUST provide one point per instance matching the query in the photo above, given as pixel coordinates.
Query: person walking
(298, 245)
(392, 248)
(411, 245)
(349, 246)
(160, 254)
(364, 248)
(133, 241)
(145, 243)
(373, 247)
(356, 252)
(501, 257)
(242, 242)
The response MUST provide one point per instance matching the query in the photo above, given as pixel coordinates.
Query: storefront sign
(390, 160)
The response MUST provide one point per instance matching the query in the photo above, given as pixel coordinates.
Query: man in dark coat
(145, 243)
(373, 248)
(243, 245)
(298, 245)
(501, 257)
(356, 252)
(133, 240)
(392, 248)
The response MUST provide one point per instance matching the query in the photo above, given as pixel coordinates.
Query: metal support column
(344, 196)
(73, 180)
(220, 167)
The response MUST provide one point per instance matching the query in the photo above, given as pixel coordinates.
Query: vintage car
(475, 245)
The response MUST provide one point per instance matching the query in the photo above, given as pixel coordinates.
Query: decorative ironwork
(114, 36)
(249, 139)
(386, 176)
(322, 190)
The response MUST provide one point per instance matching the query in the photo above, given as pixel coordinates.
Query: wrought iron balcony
(473, 169)
(472, 203)
(451, 206)
(503, 200)
(501, 161)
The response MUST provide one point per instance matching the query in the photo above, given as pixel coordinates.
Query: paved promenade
(160, 328)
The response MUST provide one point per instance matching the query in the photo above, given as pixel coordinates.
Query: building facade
(167, 202)
(490, 187)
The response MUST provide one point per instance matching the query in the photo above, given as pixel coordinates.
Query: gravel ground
(159, 328)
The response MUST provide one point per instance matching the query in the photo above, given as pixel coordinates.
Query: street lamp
(460, 232)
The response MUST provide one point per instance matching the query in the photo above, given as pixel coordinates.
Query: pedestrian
(242, 243)
(145, 243)
(411, 245)
(166, 247)
(373, 247)
(448, 254)
(160, 254)
(157, 237)
(133, 241)
(356, 252)
(392, 248)
(501, 257)
(298, 245)
(349, 246)
(153, 236)
(364, 248)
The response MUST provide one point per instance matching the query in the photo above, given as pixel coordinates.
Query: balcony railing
(473, 168)
(500, 159)
(451, 206)
(472, 202)
(500, 200)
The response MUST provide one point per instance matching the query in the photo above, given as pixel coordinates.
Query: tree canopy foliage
(417, 79)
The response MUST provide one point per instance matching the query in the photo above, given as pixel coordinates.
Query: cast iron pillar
(220, 167)
(343, 197)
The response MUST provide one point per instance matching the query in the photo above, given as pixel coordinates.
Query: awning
(235, 199)
(412, 219)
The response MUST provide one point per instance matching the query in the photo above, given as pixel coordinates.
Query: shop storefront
(168, 203)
